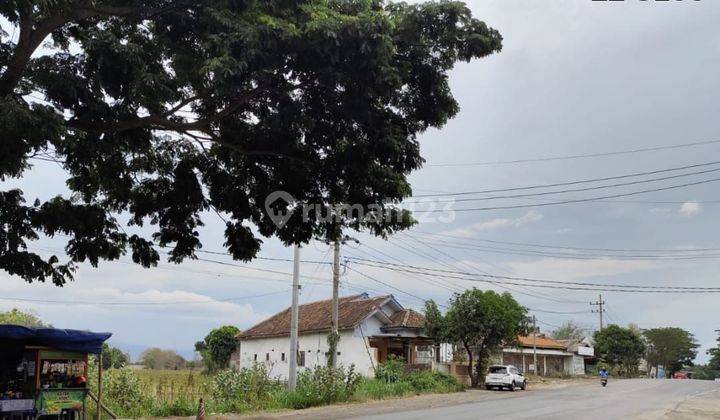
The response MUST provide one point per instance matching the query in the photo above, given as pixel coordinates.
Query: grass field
(168, 385)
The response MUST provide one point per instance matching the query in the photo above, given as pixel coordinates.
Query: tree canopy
(569, 331)
(113, 357)
(621, 348)
(26, 319)
(170, 111)
(671, 347)
(157, 358)
(481, 322)
(217, 347)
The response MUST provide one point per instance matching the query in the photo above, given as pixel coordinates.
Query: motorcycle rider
(604, 375)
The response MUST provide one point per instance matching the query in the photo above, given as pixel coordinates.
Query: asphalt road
(643, 399)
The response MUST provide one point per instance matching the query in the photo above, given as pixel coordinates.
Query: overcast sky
(574, 77)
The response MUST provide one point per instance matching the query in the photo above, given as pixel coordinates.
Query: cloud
(689, 209)
(500, 223)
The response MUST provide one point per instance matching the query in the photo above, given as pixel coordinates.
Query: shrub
(123, 390)
(322, 385)
(251, 386)
(392, 370)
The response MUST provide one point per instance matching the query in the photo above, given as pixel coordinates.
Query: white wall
(352, 348)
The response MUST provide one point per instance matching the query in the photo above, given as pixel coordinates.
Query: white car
(505, 376)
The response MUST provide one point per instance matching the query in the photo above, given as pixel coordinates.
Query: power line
(537, 194)
(550, 284)
(538, 245)
(582, 200)
(138, 303)
(559, 184)
(575, 256)
(522, 291)
(579, 156)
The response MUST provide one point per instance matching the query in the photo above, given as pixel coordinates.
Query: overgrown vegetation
(156, 393)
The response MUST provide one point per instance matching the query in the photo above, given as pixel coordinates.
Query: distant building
(371, 329)
(554, 357)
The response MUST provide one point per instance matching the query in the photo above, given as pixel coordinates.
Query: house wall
(549, 362)
(353, 348)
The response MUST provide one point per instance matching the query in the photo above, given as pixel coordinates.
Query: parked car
(505, 376)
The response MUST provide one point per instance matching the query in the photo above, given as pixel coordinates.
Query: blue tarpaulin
(68, 340)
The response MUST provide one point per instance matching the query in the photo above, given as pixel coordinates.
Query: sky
(574, 77)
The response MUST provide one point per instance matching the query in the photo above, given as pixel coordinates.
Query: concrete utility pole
(292, 376)
(535, 369)
(336, 287)
(600, 309)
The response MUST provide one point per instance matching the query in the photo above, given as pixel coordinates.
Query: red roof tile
(316, 317)
(407, 318)
(540, 342)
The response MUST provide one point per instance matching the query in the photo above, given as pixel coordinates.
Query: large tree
(621, 348)
(481, 322)
(217, 347)
(671, 347)
(165, 111)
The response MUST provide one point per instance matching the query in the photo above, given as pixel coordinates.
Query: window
(255, 357)
(498, 369)
(301, 358)
(282, 357)
(267, 357)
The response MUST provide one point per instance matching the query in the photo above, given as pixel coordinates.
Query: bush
(392, 370)
(322, 385)
(248, 386)
(422, 382)
(413, 383)
(123, 392)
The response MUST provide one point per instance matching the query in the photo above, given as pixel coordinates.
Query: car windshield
(498, 369)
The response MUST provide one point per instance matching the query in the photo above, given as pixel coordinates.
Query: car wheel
(524, 385)
(488, 387)
(512, 387)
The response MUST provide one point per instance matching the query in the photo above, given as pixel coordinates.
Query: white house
(371, 329)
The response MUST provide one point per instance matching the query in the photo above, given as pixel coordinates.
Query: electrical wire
(551, 284)
(559, 184)
(538, 194)
(582, 200)
(579, 156)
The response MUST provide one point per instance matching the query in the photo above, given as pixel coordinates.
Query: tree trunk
(471, 371)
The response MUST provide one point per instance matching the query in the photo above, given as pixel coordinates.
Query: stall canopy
(68, 340)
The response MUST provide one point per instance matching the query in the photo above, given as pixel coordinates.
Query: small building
(371, 329)
(553, 357)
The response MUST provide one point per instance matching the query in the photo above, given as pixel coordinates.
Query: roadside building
(554, 357)
(371, 330)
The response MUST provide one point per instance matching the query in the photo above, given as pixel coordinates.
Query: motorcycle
(603, 381)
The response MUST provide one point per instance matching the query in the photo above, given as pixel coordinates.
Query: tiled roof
(316, 317)
(540, 342)
(406, 318)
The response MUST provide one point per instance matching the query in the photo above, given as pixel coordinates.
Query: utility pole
(599, 310)
(535, 367)
(292, 376)
(334, 328)
(335, 298)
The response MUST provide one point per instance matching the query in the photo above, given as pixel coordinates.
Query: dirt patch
(701, 406)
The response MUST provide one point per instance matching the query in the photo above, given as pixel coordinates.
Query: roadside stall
(44, 371)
